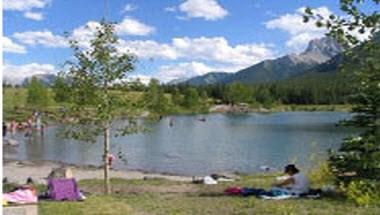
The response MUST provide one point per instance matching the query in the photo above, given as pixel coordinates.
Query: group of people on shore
(33, 123)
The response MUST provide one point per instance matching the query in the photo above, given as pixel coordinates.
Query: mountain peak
(325, 48)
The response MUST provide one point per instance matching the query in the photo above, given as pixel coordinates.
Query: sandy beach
(19, 171)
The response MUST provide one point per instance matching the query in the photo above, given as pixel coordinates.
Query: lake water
(221, 143)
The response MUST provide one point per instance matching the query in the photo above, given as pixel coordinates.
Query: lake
(220, 143)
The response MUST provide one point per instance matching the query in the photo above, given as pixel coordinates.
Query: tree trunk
(107, 185)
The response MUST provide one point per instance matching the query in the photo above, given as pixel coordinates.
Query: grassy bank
(159, 196)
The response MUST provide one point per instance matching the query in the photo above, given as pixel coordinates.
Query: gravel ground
(19, 171)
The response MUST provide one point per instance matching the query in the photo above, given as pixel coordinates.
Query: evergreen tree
(359, 156)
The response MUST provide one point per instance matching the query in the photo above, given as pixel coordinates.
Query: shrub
(363, 192)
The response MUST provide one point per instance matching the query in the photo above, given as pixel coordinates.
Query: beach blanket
(63, 189)
(272, 194)
(20, 196)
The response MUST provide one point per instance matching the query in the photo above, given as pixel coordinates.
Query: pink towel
(20, 196)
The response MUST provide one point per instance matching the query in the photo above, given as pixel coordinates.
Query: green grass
(199, 199)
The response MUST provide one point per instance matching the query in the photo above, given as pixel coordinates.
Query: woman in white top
(297, 183)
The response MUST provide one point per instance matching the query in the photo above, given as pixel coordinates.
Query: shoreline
(17, 171)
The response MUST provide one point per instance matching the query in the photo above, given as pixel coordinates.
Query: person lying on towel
(294, 183)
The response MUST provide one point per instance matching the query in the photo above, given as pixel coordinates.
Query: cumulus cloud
(198, 54)
(85, 33)
(44, 38)
(24, 5)
(148, 49)
(182, 70)
(185, 70)
(16, 74)
(300, 33)
(34, 16)
(207, 9)
(215, 49)
(130, 26)
(11, 47)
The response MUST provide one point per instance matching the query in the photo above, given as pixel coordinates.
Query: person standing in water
(4, 129)
(13, 127)
(29, 127)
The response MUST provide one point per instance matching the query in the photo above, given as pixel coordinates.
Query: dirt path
(19, 171)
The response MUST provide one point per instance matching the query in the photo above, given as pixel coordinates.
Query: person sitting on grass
(295, 183)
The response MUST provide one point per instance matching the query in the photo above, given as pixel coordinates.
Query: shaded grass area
(153, 197)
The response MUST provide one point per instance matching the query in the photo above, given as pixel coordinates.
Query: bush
(322, 175)
(363, 192)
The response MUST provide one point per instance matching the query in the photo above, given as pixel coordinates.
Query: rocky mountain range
(318, 52)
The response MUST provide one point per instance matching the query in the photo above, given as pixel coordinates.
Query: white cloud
(207, 9)
(82, 34)
(130, 26)
(300, 33)
(11, 47)
(182, 70)
(16, 74)
(171, 9)
(24, 5)
(148, 49)
(34, 16)
(85, 33)
(129, 8)
(185, 70)
(44, 38)
(217, 49)
(144, 79)
(299, 41)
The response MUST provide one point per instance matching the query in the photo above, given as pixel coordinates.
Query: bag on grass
(63, 189)
(233, 191)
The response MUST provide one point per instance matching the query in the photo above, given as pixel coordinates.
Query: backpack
(63, 189)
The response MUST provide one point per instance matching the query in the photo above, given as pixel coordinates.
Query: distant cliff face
(321, 50)
(318, 52)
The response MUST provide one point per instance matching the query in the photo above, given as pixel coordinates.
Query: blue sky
(172, 38)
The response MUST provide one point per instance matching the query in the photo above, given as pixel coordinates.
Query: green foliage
(321, 175)
(363, 192)
(357, 162)
(61, 89)
(177, 97)
(155, 99)
(237, 93)
(94, 106)
(191, 98)
(91, 76)
(38, 96)
(341, 27)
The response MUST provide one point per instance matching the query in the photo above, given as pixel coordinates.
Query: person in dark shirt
(4, 129)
